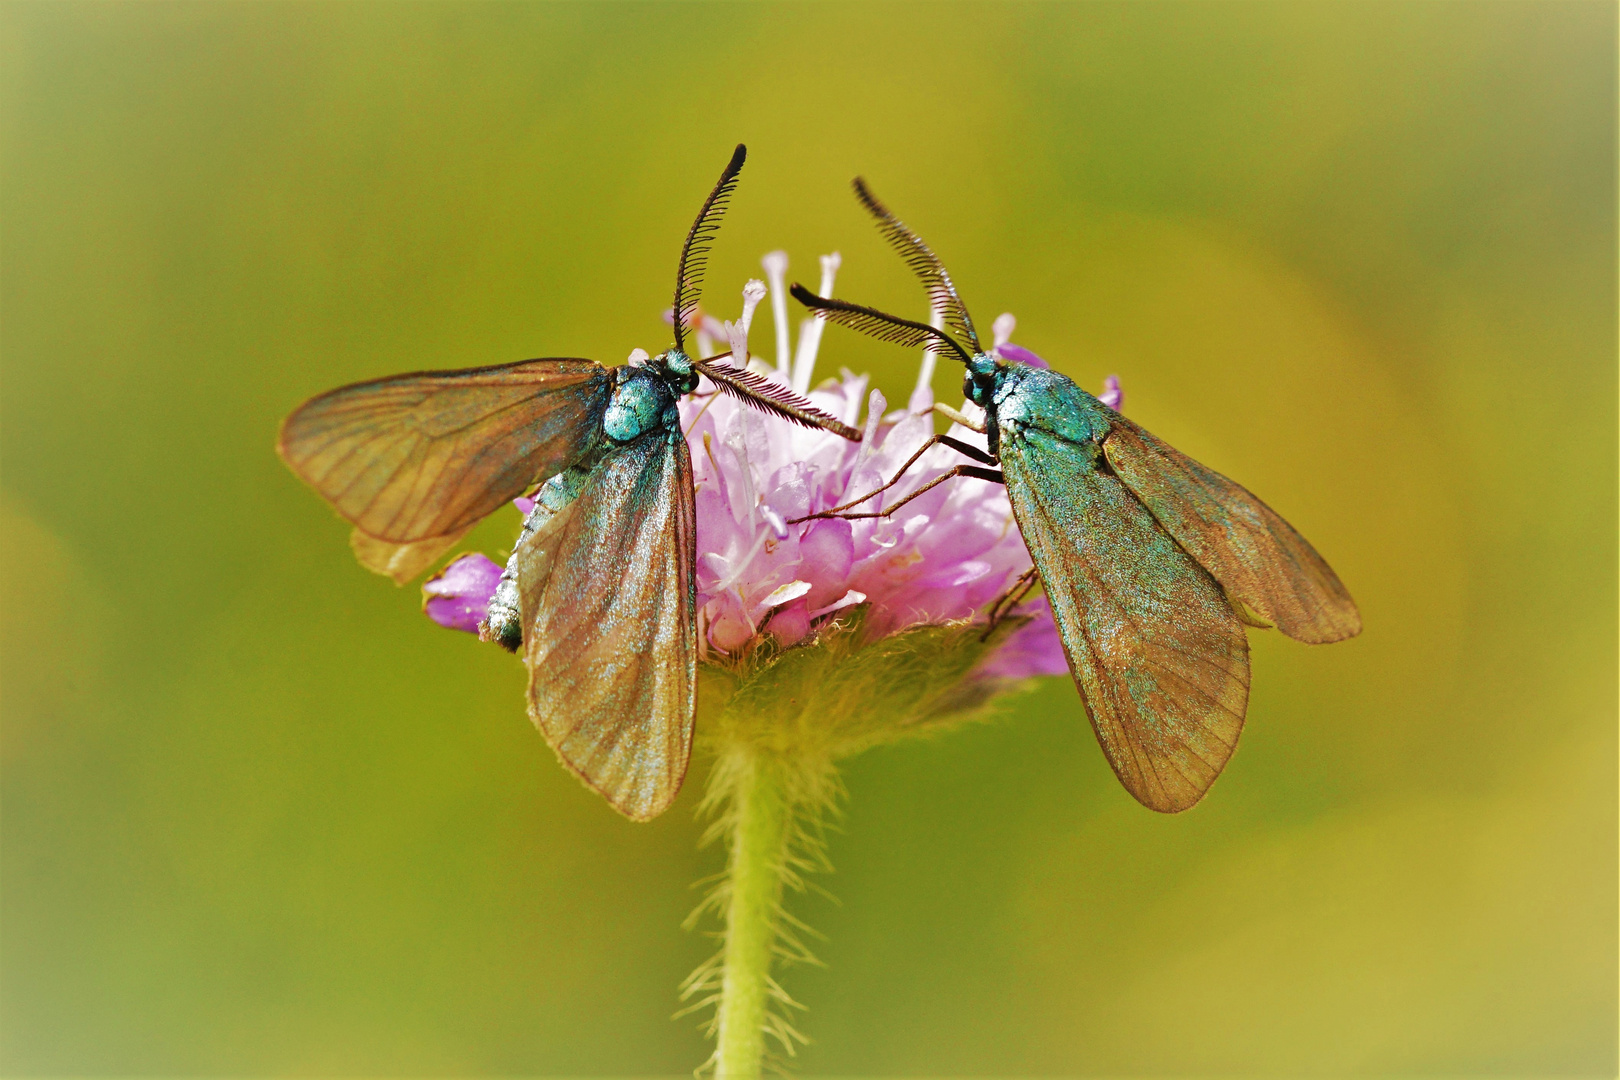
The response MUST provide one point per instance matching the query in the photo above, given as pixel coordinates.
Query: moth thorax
(636, 407)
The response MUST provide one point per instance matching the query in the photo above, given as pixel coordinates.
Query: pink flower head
(763, 570)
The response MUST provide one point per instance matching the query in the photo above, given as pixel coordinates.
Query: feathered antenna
(695, 252)
(924, 263)
(771, 396)
(878, 324)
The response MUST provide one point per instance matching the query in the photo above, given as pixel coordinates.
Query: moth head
(677, 370)
(979, 381)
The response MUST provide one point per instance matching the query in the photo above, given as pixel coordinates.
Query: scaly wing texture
(609, 604)
(1255, 555)
(1157, 652)
(426, 455)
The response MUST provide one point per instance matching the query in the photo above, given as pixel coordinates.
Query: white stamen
(753, 293)
(775, 521)
(737, 332)
(785, 594)
(804, 364)
(776, 264)
(849, 599)
(1003, 328)
(922, 396)
(974, 414)
(637, 357)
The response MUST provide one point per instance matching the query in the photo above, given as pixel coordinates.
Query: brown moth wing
(400, 562)
(1256, 556)
(608, 600)
(1160, 659)
(418, 456)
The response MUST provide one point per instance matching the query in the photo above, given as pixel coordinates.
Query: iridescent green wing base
(608, 601)
(423, 456)
(1256, 556)
(1160, 658)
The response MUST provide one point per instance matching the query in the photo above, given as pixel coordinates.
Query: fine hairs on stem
(769, 811)
(778, 721)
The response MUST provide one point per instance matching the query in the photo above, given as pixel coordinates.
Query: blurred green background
(260, 817)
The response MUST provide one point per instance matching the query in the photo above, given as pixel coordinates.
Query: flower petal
(1020, 355)
(1033, 649)
(790, 624)
(457, 597)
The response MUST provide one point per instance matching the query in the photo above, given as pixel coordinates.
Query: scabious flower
(941, 559)
(820, 636)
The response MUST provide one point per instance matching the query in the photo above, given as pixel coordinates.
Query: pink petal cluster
(943, 556)
(761, 571)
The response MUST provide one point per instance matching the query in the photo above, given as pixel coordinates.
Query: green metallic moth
(1153, 564)
(600, 592)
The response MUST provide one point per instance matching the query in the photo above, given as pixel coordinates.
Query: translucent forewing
(608, 601)
(1255, 555)
(425, 455)
(1155, 649)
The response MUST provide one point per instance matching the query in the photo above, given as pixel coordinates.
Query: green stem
(760, 820)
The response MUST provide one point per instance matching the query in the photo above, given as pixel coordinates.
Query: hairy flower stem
(777, 722)
(761, 818)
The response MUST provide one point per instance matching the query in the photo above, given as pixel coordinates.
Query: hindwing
(1256, 556)
(1159, 657)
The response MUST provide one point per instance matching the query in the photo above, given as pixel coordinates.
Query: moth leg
(958, 418)
(965, 449)
(1008, 600)
(975, 471)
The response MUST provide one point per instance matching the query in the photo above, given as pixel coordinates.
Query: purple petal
(1033, 649)
(790, 623)
(457, 597)
(1112, 396)
(524, 504)
(826, 552)
(1020, 355)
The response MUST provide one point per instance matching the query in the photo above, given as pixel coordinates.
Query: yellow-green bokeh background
(262, 818)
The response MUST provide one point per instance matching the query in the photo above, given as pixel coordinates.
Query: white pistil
(804, 363)
(776, 265)
(737, 332)
(638, 357)
(1003, 328)
(775, 521)
(922, 396)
